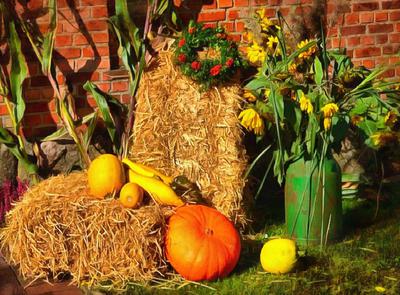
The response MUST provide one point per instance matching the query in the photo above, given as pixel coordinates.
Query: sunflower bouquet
(306, 97)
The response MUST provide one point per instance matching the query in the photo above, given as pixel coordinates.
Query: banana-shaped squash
(161, 192)
(146, 171)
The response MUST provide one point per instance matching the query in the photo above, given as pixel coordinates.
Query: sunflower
(305, 104)
(391, 118)
(252, 121)
(249, 96)
(381, 139)
(264, 21)
(356, 119)
(309, 52)
(329, 110)
(256, 53)
(272, 44)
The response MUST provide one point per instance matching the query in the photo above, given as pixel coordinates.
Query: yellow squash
(161, 192)
(146, 171)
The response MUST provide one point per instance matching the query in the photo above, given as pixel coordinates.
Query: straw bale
(182, 130)
(58, 228)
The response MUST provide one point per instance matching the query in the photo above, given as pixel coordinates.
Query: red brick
(104, 86)
(100, 37)
(233, 14)
(210, 25)
(353, 41)
(99, 12)
(368, 6)
(367, 52)
(63, 40)
(50, 119)
(368, 63)
(332, 31)
(39, 81)
(70, 52)
(381, 28)
(69, 28)
(381, 16)
(32, 120)
(242, 3)
(79, 39)
(47, 93)
(367, 40)
(119, 86)
(210, 5)
(395, 15)
(260, 2)
(353, 30)
(352, 18)
(92, 2)
(125, 98)
(32, 94)
(211, 16)
(391, 4)
(225, 3)
(398, 27)
(338, 43)
(228, 26)
(366, 17)
(3, 110)
(388, 74)
(240, 27)
(96, 25)
(88, 51)
(381, 39)
(394, 38)
(235, 37)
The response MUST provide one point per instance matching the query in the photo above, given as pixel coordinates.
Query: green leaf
(340, 126)
(311, 134)
(162, 6)
(49, 39)
(126, 26)
(63, 132)
(257, 83)
(91, 126)
(12, 144)
(102, 99)
(319, 72)
(19, 71)
(3, 83)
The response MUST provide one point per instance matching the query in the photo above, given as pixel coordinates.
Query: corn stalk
(11, 91)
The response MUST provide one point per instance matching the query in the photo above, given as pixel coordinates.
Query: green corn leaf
(102, 100)
(49, 38)
(62, 133)
(91, 126)
(126, 25)
(319, 72)
(19, 71)
(12, 144)
(162, 6)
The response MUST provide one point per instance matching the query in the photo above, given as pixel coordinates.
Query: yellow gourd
(131, 195)
(279, 256)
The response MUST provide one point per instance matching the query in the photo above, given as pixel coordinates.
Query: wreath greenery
(222, 58)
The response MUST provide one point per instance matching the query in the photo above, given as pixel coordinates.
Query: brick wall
(369, 29)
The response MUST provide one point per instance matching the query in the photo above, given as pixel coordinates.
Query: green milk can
(313, 201)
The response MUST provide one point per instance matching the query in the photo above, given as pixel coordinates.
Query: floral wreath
(222, 58)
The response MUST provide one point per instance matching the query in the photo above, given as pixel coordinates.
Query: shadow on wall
(190, 9)
(39, 95)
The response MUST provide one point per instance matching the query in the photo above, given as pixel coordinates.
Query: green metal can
(313, 205)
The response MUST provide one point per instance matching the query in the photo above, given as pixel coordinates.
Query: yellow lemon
(131, 195)
(105, 175)
(278, 256)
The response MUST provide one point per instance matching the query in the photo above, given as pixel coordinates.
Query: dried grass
(58, 228)
(181, 130)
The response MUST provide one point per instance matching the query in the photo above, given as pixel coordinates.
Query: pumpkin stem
(209, 232)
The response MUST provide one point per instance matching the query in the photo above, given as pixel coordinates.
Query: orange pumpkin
(201, 243)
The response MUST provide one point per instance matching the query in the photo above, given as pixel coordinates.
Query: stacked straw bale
(58, 227)
(181, 130)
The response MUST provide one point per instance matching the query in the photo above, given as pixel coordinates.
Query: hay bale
(181, 130)
(58, 228)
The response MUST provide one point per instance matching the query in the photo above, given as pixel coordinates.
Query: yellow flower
(272, 44)
(381, 139)
(256, 53)
(309, 52)
(267, 92)
(249, 36)
(264, 21)
(292, 68)
(391, 118)
(329, 110)
(249, 96)
(380, 289)
(327, 123)
(252, 121)
(305, 104)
